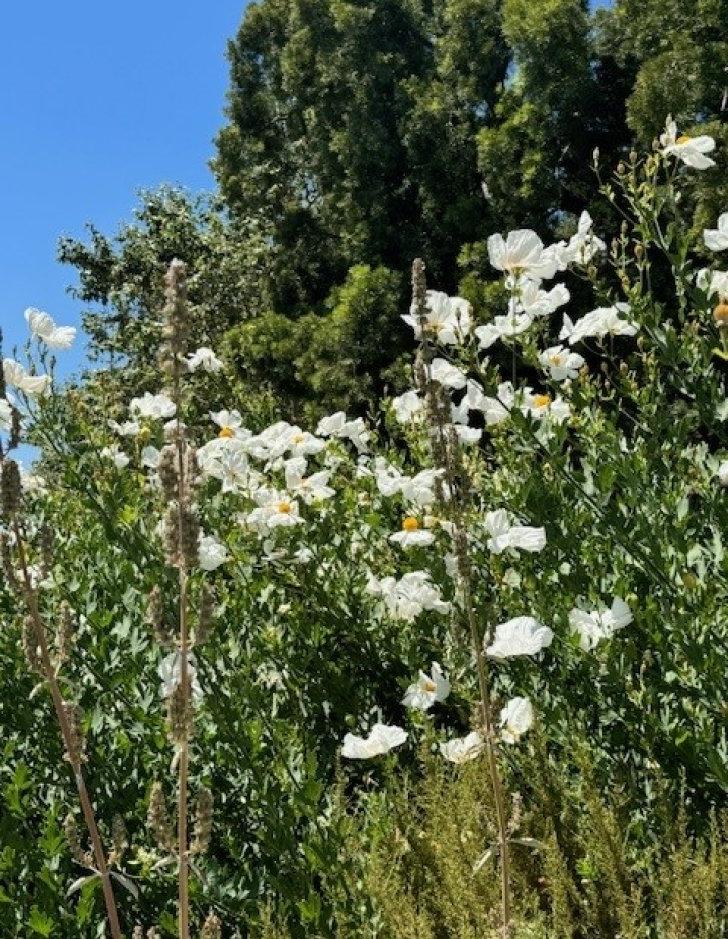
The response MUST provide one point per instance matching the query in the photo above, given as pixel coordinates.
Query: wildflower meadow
(449, 661)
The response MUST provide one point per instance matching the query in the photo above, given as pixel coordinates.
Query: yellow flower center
(683, 138)
(557, 358)
(298, 438)
(226, 432)
(429, 685)
(284, 508)
(541, 401)
(410, 523)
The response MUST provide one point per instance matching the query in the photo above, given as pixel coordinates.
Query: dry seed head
(65, 633)
(180, 714)
(167, 471)
(76, 744)
(158, 818)
(189, 542)
(11, 490)
(119, 840)
(206, 615)
(31, 642)
(70, 829)
(419, 287)
(6, 559)
(203, 821)
(212, 928)
(155, 616)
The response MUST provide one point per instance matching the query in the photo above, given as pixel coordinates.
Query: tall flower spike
(158, 818)
(11, 490)
(203, 821)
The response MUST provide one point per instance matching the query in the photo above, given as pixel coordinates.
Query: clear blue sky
(98, 99)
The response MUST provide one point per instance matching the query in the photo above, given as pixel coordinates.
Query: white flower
(170, 673)
(420, 489)
(503, 327)
(561, 363)
(275, 510)
(407, 406)
(313, 488)
(33, 385)
(534, 301)
(448, 319)
(332, 425)
(406, 598)
(723, 473)
(604, 321)
(43, 326)
(516, 718)
(226, 459)
(543, 406)
(691, 150)
(584, 244)
(427, 690)
(521, 253)
(713, 282)
(337, 425)
(205, 359)
(447, 374)
(463, 749)
(504, 535)
(412, 536)
(6, 414)
(599, 624)
(126, 428)
(119, 459)
(211, 553)
(522, 635)
(156, 407)
(495, 410)
(382, 738)
(230, 424)
(717, 238)
(150, 457)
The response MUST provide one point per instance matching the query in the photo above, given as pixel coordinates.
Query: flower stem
(67, 737)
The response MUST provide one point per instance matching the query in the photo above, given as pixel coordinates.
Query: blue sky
(97, 100)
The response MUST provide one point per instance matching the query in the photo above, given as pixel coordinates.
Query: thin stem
(67, 736)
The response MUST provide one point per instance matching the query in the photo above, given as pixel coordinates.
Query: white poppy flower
(604, 321)
(463, 749)
(427, 690)
(119, 459)
(275, 510)
(155, 407)
(43, 326)
(534, 301)
(337, 425)
(313, 488)
(447, 374)
(205, 359)
(561, 363)
(150, 457)
(420, 489)
(412, 536)
(387, 477)
(448, 319)
(381, 739)
(6, 414)
(211, 553)
(516, 719)
(17, 376)
(522, 253)
(543, 406)
(723, 473)
(713, 282)
(332, 425)
(584, 244)
(503, 327)
(407, 406)
(717, 238)
(596, 625)
(691, 150)
(170, 673)
(406, 598)
(522, 635)
(125, 428)
(505, 535)
(229, 422)
(226, 459)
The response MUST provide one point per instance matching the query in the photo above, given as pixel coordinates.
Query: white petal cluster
(463, 749)
(448, 319)
(516, 718)
(522, 635)
(337, 425)
(561, 363)
(170, 674)
(604, 321)
(427, 690)
(381, 739)
(205, 359)
(409, 596)
(211, 553)
(717, 238)
(43, 327)
(412, 535)
(407, 406)
(690, 150)
(117, 456)
(32, 385)
(505, 535)
(276, 509)
(595, 625)
(155, 407)
(6, 414)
